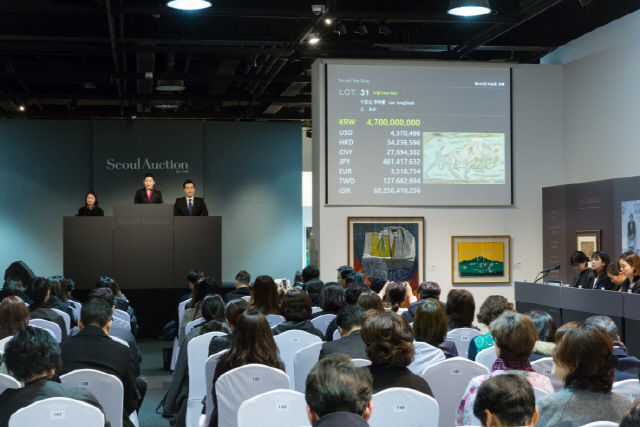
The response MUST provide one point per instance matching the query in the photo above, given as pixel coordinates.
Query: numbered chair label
(281, 407)
(255, 379)
(84, 384)
(400, 408)
(633, 396)
(464, 338)
(296, 339)
(57, 415)
(547, 371)
(456, 372)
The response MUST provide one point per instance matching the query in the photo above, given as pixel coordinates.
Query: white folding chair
(289, 343)
(176, 342)
(52, 327)
(425, 355)
(462, 338)
(448, 381)
(274, 319)
(315, 309)
(199, 321)
(594, 424)
(538, 393)
(360, 363)
(197, 353)
(209, 371)
(4, 341)
(243, 383)
(66, 317)
(62, 411)
(487, 357)
(122, 323)
(322, 322)
(544, 367)
(303, 361)
(246, 297)
(336, 335)
(106, 388)
(405, 407)
(275, 408)
(627, 388)
(7, 381)
(120, 340)
(77, 309)
(120, 314)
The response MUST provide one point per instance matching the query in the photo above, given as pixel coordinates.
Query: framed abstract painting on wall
(480, 259)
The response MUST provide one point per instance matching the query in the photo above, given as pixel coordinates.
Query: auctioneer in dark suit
(181, 207)
(351, 345)
(142, 197)
(91, 348)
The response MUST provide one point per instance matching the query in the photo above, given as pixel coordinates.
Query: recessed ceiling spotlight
(469, 7)
(328, 21)
(21, 108)
(189, 4)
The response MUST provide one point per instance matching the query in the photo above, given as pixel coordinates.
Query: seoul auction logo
(147, 164)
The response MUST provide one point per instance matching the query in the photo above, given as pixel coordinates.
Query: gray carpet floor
(158, 381)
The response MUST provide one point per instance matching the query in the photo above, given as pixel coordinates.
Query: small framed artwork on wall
(588, 241)
(480, 259)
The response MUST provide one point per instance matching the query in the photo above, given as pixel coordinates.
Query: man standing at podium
(148, 194)
(189, 205)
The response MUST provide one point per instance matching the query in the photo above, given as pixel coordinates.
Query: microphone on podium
(545, 273)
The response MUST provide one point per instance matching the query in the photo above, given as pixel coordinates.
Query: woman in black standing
(91, 206)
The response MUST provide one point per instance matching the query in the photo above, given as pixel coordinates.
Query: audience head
(233, 310)
(243, 278)
(108, 282)
(95, 312)
(13, 285)
(296, 306)
(213, 308)
(58, 287)
(343, 272)
(632, 417)
(32, 353)
(71, 285)
(310, 272)
(492, 308)
(38, 290)
(332, 298)
(545, 325)
(615, 274)
(264, 296)
(353, 292)
(584, 358)
(314, 289)
(14, 316)
(355, 277)
(349, 319)
(514, 335)
(430, 322)
(506, 401)
(630, 264)
(104, 294)
(428, 290)
(194, 276)
(606, 324)
(336, 385)
(253, 342)
(370, 300)
(600, 262)
(396, 294)
(388, 339)
(460, 308)
(377, 285)
(204, 287)
(298, 277)
(579, 261)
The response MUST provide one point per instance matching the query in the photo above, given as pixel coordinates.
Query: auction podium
(141, 246)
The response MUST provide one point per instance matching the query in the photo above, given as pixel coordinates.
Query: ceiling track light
(171, 82)
(328, 21)
(313, 38)
(189, 4)
(469, 7)
(362, 29)
(384, 29)
(341, 29)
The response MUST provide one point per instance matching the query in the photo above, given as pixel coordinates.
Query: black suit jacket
(91, 348)
(42, 311)
(351, 345)
(141, 196)
(180, 207)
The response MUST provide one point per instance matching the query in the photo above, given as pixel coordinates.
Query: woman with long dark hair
(599, 263)
(264, 296)
(58, 298)
(332, 299)
(430, 326)
(460, 308)
(14, 286)
(201, 289)
(14, 316)
(90, 207)
(630, 267)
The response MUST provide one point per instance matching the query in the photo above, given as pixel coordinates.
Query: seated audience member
(369, 300)
(176, 402)
(296, 310)
(348, 321)
(203, 288)
(252, 343)
(58, 298)
(71, 286)
(389, 345)
(343, 273)
(38, 291)
(14, 316)
(585, 362)
(376, 285)
(338, 394)
(426, 290)
(297, 279)
(332, 300)
(627, 366)
(192, 278)
(460, 309)
(14, 286)
(233, 310)
(600, 263)
(430, 326)
(395, 293)
(356, 277)
(632, 417)
(351, 295)
(547, 329)
(33, 357)
(92, 348)
(584, 276)
(121, 302)
(630, 267)
(618, 279)
(264, 296)
(490, 310)
(314, 289)
(514, 337)
(310, 274)
(506, 401)
(243, 282)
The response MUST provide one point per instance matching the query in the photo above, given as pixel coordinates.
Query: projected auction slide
(417, 135)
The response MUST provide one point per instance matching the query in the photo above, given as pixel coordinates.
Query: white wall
(538, 162)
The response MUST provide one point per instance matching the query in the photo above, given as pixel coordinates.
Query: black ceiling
(248, 59)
